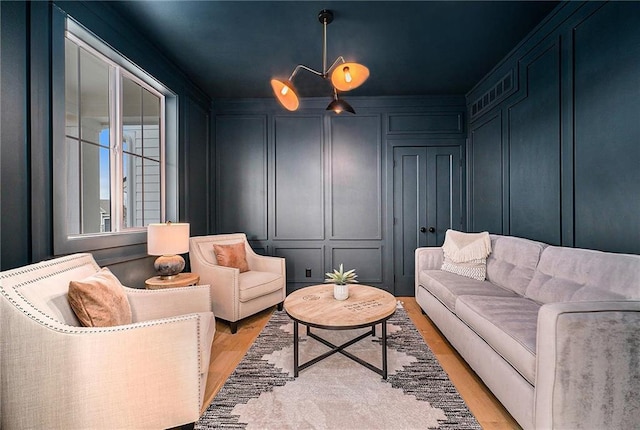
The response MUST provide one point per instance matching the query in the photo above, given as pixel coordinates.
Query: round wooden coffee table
(315, 307)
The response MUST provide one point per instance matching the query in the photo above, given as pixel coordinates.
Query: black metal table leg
(295, 349)
(384, 350)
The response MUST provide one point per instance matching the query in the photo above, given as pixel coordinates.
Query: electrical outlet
(307, 273)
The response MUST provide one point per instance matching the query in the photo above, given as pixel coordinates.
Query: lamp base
(168, 266)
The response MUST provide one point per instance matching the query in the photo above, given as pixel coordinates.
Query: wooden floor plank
(229, 349)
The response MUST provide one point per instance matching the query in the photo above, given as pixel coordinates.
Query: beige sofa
(554, 332)
(55, 374)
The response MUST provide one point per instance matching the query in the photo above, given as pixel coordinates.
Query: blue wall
(554, 154)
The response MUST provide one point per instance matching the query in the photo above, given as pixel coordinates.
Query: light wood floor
(228, 349)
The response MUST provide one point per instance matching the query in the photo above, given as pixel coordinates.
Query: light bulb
(347, 75)
(284, 90)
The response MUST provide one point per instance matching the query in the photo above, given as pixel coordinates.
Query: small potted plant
(341, 281)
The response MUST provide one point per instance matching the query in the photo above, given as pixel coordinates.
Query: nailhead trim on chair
(47, 320)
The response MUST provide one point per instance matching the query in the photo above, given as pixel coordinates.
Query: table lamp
(168, 240)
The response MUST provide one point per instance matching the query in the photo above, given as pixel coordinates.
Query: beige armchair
(238, 295)
(150, 374)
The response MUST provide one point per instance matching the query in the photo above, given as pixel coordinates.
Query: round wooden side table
(184, 279)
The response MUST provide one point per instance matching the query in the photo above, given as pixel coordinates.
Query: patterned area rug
(338, 393)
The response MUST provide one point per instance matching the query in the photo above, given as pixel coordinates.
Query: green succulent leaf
(341, 277)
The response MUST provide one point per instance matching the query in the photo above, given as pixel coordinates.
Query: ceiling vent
(498, 92)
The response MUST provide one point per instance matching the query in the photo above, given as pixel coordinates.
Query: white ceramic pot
(341, 292)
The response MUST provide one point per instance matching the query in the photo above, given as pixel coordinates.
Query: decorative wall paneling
(355, 194)
(14, 162)
(305, 265)
(330, 178)
(566, 141)
(607, 128)
(534, 148)
(425, 123)
(485, 173)
(298, 152)
(241, 175)
(196, 185)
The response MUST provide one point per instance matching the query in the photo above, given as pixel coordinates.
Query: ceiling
(231, 49)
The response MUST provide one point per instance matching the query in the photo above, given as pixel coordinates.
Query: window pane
(94, 96)
(151, 125)
(151, 196)
(131, 116)
(73, 186)
(71, 88)
(96, 193)
(141, 191)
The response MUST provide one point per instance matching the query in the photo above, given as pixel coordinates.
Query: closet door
(426, 202)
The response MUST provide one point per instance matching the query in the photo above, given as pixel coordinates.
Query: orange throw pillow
(233, 255)
(99, 300)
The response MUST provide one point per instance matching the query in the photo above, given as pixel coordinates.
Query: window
(113, 130)
(114, 164)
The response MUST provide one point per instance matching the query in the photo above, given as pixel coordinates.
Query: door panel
(409, 212)
(443, 193)
(426, 202)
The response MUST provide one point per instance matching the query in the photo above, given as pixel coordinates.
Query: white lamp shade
(167, 239)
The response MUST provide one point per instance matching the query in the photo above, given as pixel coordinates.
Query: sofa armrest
(588, 365)
(428, 258)
(168, 302)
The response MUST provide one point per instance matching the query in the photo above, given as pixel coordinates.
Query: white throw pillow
(475, 269)
(466, 254)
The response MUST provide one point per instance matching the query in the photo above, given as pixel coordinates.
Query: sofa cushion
(570, 274)
(507, 324)
(253, 284)
(232, 255)
(513, 261)
(99, 300)
(446, 287)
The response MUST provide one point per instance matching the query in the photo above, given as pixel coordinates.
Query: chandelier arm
(308, 69)
(339, 60)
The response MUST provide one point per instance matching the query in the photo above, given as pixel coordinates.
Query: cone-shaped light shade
(285, 93)
(348, 76)
(339, 106)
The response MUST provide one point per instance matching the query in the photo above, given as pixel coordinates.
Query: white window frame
(121, 66)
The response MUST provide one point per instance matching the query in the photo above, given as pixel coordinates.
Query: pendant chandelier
(344, 76)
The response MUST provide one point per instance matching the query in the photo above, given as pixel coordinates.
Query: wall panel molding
(486, 177)
(301, 258)
(569, 140)
(241, 175)
(425, 123)
(355, 192)
(367, 260)
(355, 182)
(298, 176)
